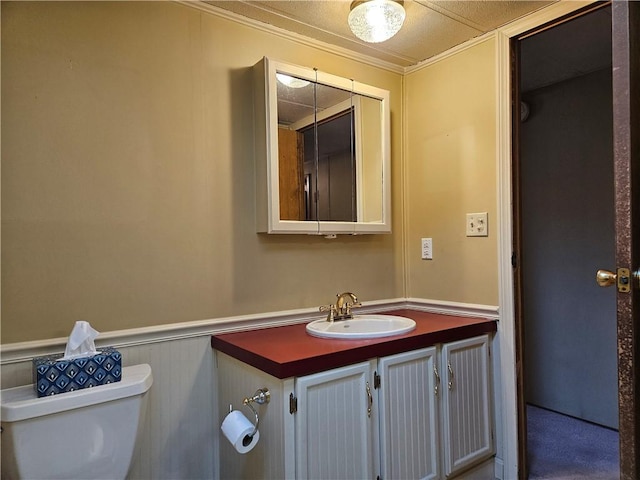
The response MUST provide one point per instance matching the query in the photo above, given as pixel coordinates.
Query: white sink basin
(361, 326)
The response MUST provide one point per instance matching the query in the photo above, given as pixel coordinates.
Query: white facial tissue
(81, 341)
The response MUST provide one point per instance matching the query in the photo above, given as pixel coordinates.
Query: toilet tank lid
(20, 403)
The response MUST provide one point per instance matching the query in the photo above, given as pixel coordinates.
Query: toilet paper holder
(262, 396)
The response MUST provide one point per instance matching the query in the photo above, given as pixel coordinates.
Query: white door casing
(506, 325)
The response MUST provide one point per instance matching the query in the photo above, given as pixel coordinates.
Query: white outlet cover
(477, 225)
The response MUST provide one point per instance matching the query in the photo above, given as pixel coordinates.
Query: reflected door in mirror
(331, 169)
(291, 178)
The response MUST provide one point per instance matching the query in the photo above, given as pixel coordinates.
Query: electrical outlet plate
(477, 225)
(427, 249)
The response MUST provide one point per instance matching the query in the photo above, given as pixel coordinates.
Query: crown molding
(295, 37)
(450, 53)
(516, 27)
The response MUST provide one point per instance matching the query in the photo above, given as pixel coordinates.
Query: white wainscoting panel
(181, 435)
(178, 440)
(16, 374)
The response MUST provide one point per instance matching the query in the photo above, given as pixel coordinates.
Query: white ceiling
(573, 48)
(430, 27)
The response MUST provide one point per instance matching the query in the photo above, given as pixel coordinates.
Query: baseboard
(499, 469)
(484, 471)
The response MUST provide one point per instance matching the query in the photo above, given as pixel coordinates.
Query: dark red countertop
(289, 351)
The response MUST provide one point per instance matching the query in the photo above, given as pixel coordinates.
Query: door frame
(514, 465)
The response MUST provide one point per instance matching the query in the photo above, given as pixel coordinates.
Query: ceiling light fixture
(375, 21)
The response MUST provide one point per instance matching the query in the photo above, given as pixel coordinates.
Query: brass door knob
(605, 278)
(622, 278)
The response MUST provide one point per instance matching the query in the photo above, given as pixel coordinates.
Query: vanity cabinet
(420, 414)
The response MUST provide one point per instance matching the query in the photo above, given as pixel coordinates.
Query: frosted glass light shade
(375, 21)
(290, 81)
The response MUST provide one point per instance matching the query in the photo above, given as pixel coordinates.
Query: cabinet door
(408, 415)
(467, 431)
(334, 424)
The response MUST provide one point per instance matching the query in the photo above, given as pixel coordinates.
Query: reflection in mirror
(296, 99)
(322, 152)
(330, 166)
(369, 158)
(316, 147)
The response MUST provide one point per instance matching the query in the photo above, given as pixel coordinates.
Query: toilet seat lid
(20, 403)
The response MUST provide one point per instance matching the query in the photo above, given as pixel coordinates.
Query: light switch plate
(477, 225)
(427, 249)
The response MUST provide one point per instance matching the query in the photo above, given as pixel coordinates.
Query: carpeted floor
(562, 447)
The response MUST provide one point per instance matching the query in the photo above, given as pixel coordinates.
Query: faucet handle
(349, 306)
(331, 309)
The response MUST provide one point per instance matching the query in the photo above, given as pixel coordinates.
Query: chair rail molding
(24, 351)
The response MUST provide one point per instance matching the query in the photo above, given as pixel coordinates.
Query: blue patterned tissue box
(51, 375)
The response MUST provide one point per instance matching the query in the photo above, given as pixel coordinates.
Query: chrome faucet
(342, 308)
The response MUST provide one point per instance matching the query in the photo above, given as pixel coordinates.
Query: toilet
(85, 434)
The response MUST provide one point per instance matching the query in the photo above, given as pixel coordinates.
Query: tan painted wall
(127, 174)
(450, 171)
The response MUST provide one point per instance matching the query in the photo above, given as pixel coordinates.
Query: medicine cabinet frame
(267, 151)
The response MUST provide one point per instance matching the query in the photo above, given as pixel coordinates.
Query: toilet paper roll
(236, 427)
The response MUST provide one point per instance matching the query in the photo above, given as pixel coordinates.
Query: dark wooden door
(626, 137)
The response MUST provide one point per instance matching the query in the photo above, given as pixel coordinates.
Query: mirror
(317, 173)
(326, 153)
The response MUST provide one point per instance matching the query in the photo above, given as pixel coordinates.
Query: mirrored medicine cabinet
(322, 152)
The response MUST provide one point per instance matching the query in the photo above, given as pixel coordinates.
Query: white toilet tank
(86, 434)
